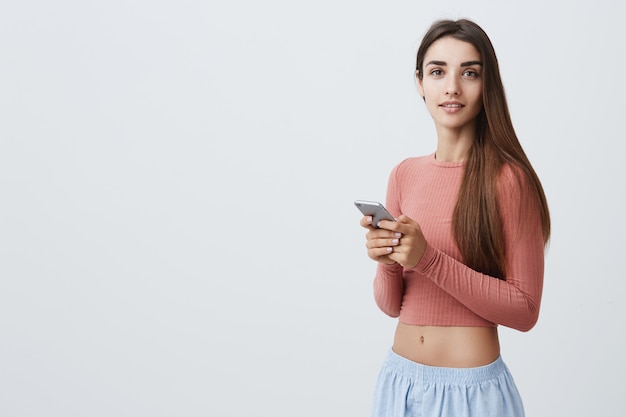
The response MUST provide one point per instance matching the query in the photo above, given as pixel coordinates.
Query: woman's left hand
(412, 245)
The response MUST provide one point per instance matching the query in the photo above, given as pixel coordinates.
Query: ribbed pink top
(441, 290)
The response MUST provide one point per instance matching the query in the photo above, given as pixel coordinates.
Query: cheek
(478, 94)
(427, 91)
(478, 101)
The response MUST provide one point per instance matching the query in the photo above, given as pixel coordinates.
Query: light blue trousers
(408, 389)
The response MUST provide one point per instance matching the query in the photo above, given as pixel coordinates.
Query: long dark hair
(477, 221)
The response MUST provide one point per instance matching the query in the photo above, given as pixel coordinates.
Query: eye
(470, 74)
(436, 72)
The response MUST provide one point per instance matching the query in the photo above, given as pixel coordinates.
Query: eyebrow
(463, 64)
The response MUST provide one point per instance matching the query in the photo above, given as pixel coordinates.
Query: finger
(382, 234)
(396, 257)
(366, 221)
(383, 242)
(404, 227)
(403, 224)
(383, 259)
(379, 252)
(404, 219)
(386, 224)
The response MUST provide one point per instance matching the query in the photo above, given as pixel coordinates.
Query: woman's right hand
(380, 242)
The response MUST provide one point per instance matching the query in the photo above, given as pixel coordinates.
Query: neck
(454, 145)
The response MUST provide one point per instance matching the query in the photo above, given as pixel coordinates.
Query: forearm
(388, 288)
(513, 302)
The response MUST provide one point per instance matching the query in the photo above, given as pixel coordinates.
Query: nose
(452, 87)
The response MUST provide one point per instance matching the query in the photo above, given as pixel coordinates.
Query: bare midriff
(451, 347)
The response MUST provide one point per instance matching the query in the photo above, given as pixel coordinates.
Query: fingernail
(389, 250)
(369, 219)
(395, 241)
(398, 235)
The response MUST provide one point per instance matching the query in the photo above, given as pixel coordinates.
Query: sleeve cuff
(427, 259)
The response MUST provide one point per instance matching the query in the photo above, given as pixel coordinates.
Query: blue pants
(409, 389)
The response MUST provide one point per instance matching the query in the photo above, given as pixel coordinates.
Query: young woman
(466, 253)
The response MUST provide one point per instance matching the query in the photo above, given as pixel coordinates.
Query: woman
(466, 252)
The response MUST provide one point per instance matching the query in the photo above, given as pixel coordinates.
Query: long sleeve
(513, 302)
(389, 288)
(388, 282)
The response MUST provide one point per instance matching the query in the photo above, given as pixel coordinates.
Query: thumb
(405, 219)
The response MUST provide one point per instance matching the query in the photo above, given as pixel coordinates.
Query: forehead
(451, 51)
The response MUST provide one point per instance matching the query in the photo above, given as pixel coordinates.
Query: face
(452, 84)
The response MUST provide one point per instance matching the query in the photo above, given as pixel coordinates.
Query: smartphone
(374, 209)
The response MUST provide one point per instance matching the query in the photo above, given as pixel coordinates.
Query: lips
(451, 106)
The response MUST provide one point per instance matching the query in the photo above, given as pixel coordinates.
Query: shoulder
(511, 181)
(509, 173)
(515, 190)
(412, 164)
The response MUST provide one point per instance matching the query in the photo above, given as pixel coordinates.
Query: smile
(451, 105)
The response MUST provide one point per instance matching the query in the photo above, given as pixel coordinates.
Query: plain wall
(177, 229)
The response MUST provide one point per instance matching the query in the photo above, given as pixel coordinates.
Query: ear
(420, 86)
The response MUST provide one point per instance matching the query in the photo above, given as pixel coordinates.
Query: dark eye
(436, 73)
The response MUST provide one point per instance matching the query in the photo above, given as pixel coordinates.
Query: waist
(453, 347)
(441, 375)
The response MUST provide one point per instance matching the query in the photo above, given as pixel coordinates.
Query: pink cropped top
(441, 290)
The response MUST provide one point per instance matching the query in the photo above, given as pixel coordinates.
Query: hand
(380, 242)
(400, 242)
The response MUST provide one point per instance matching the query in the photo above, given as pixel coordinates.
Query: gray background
(177, 234)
